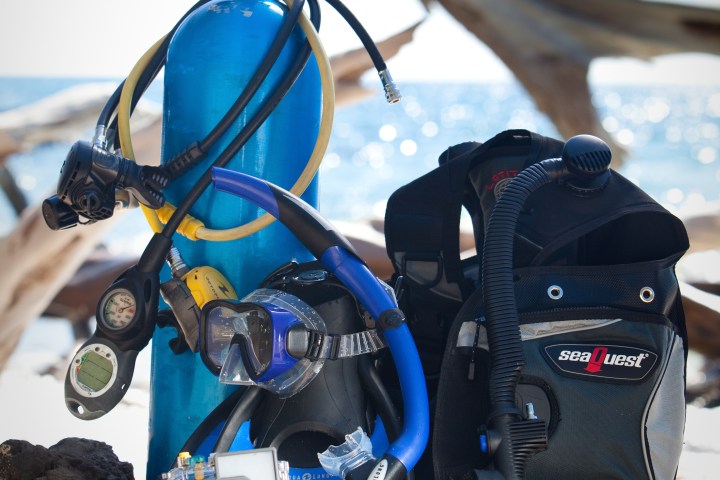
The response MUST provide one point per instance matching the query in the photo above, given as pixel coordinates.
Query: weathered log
(37, 262)
(549, 45)
(702, 315)
(8, 146)
(66, 116)
(703, 226)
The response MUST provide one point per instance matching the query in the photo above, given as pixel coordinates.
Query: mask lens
(226, 322)
(257, 345)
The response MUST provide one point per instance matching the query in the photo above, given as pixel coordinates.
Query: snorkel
(338, 255)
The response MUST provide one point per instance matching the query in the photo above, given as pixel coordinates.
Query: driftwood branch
(702, 312)
(38, 263)
(549, 45)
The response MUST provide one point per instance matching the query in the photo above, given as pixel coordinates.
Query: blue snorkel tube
(339, 256)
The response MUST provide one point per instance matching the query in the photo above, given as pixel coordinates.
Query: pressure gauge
(118, 309)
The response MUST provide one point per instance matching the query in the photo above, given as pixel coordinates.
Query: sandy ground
(32, 408)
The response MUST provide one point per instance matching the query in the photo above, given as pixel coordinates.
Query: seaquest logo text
(612, 362)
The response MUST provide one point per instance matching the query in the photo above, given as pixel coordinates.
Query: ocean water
(671, 134)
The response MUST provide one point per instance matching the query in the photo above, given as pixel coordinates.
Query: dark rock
(20, 460)
(69, 459)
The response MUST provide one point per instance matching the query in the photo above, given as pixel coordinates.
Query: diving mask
(274, 340)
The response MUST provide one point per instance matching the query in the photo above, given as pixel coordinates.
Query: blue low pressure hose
(328, 245)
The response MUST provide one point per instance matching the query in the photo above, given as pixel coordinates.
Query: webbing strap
(343, 346)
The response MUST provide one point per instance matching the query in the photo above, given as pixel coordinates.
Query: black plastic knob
(587, 158)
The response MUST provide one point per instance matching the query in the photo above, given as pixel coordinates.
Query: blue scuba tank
(210, 59)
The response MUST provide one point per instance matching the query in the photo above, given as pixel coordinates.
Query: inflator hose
(497, 281)
(380, 397)
(584, 169)
(503, 328)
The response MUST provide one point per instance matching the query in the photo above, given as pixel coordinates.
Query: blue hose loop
(330, 247)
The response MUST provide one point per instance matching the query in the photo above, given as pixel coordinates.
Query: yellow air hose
(124, 109)
(193, 228)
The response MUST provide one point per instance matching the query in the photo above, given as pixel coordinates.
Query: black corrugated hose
(507, 357)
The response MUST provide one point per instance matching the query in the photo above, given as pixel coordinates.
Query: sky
(91, 38)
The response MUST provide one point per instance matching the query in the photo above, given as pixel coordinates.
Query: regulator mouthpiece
(89, 180)
(587, 159)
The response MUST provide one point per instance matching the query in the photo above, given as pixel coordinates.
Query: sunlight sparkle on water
(707, 155)
(27, 182)
(430, 129)
(625, 136)
(657, 109)
(673, 134)
(713, 108)
(331, 160)
(408, 148)
(674, 195)
(612, 100)
(691, 135)
(387, 133)
(412, 108)
(709, 130)
(610, 124)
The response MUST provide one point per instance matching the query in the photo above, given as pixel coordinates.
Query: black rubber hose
(110, 106)
(209, 423)
(242, 412)
(362, 34)
(381, 400)
(379, 397)
(190, 157)
(261, 73)
(239, 141)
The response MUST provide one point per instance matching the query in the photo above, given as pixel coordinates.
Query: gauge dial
(119, 309)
